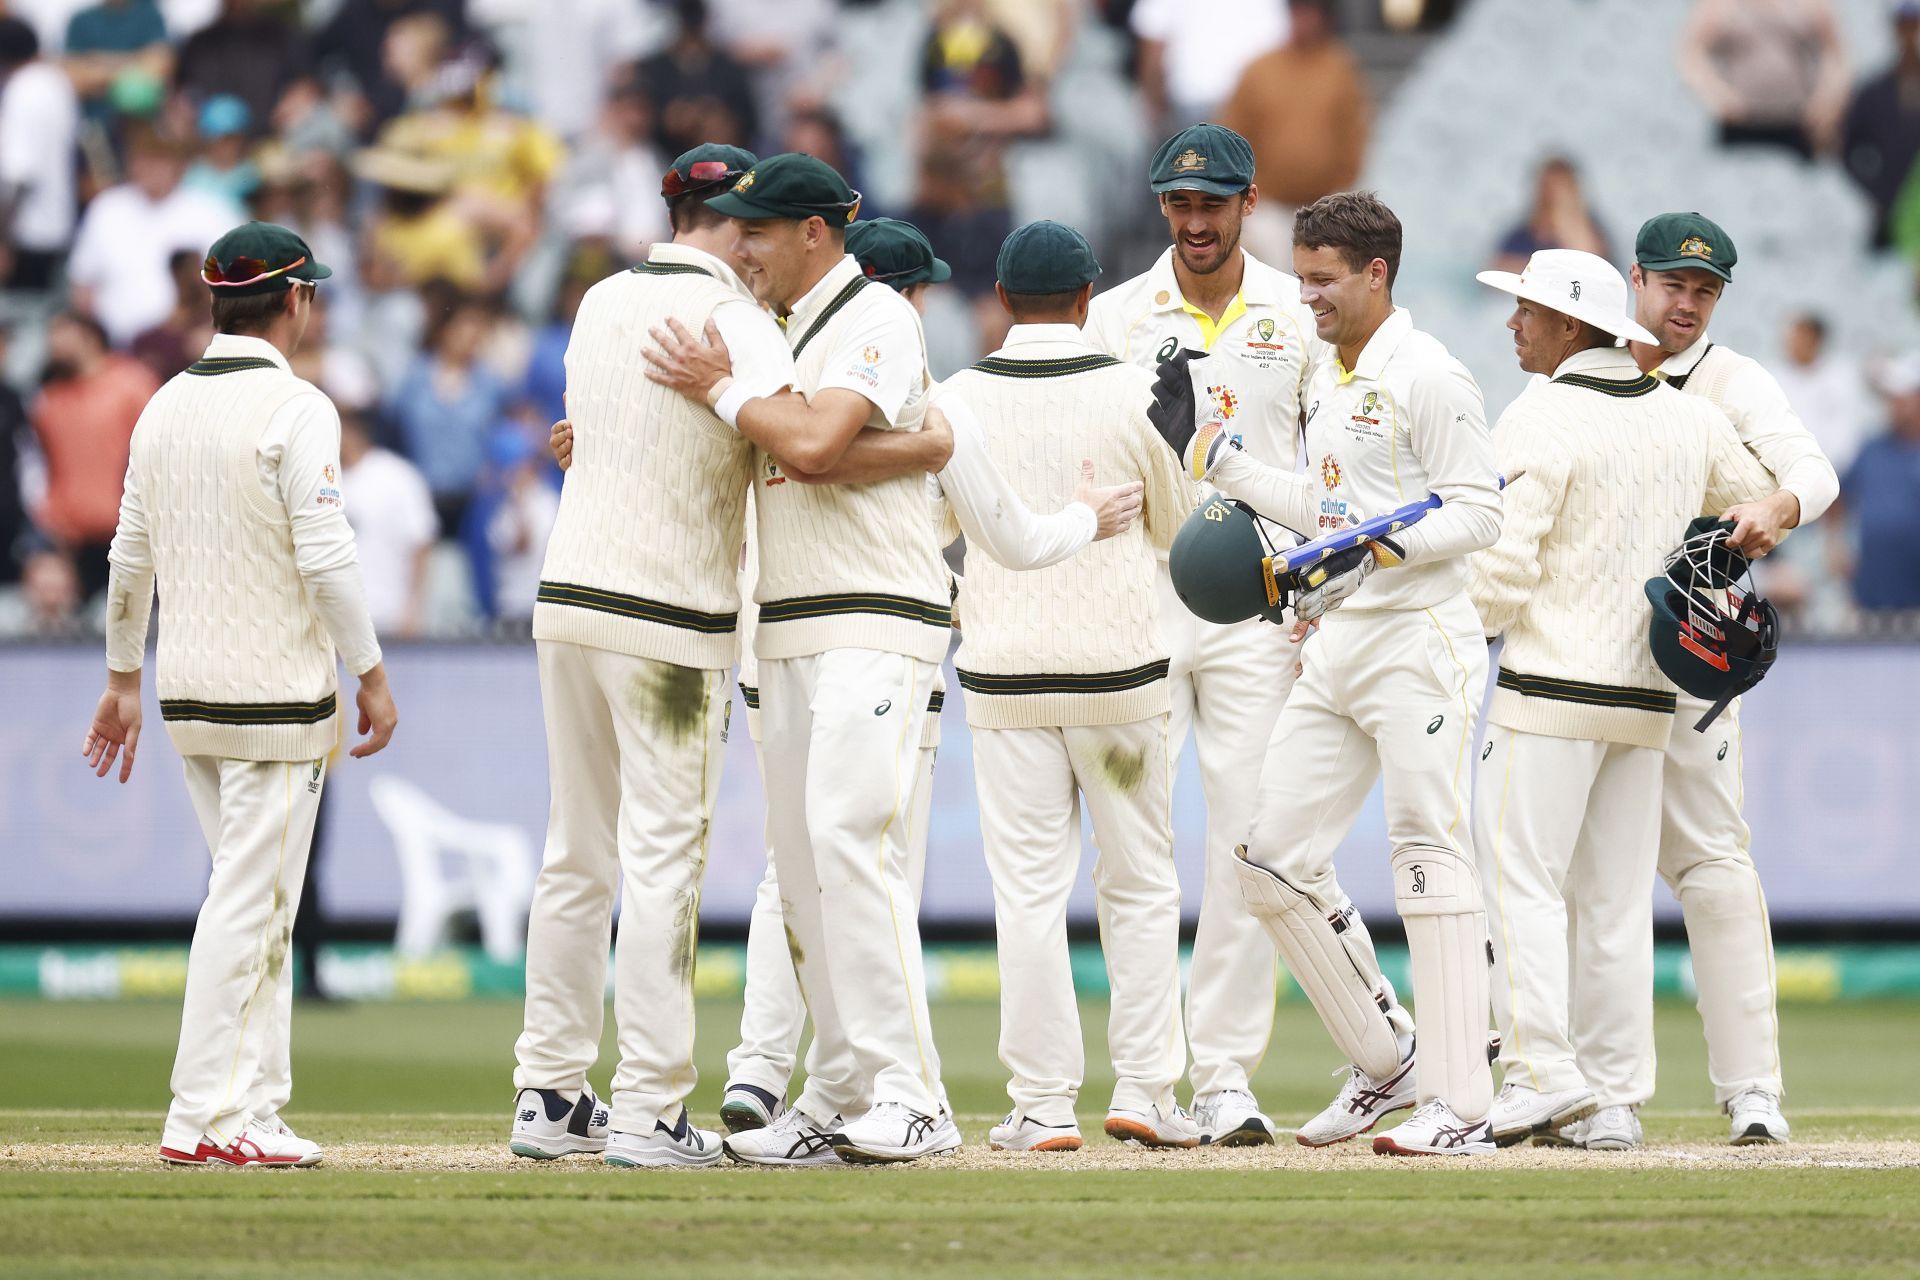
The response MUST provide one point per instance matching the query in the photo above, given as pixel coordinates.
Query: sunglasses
(241, 271)
(701, 173)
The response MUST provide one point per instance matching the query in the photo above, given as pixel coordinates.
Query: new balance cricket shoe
(547, 1124)
(894, 1132)
(1153, 1127)
(748, 1106)
(275, 1125)
(676, 1146)
(1757, 1119)
(1024, 1133)
(1614, 1128)
(1521, 1112)
(1231, 1118)
(1434, 1130)
(795, 1139)
(1358, 1106)
(255, 1147)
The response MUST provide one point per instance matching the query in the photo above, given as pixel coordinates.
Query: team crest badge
(1371, 404)
(773, 475)
(1265, 330)
(1330, 472)
(746, 180)
(1695, 247)
(1225, 403)
(870, 354)
(1189, 161)
(328, 474)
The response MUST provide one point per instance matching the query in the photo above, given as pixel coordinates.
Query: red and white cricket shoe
(268, 1146)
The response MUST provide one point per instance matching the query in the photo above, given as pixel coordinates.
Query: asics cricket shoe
(679, 1146)
(1231, 1118)
(1153, 1127)
(547, 1124)
(275, 1125)
(1024, 1133)
(1434, 1130)
(748, 1106)
(255, 1147)
(1358, 1106)
(894, 1132)
(1757, 1119)
(796, 1138)
(1521, 1112)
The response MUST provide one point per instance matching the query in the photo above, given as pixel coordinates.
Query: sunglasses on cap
(701, 173)
(242, 271)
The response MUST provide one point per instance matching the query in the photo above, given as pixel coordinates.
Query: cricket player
(1608, 466)
(232, 508)
(1682, 264)
(1066, 680)
(1207, 293)
(1390, 686)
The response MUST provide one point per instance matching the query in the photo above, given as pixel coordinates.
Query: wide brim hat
(1578, 284)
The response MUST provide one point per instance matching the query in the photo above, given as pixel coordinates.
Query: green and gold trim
(247, 713)
(751, 693)
(212, 366)
(1067, 682)
(668, 269)
(639, 607)
(804, 608)
(840, 300)
(1586, 693)
(1624, 390)
(1063, 367)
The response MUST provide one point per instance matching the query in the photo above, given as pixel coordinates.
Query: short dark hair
(250, 313)
(18, 43)
(1026, 304)
(689, 212)
(1356, 223)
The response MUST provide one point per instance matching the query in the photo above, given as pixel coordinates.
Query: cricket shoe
(795, 1139)
(892, 1133)
(1520, 1113)
(1153, 1127)
(1024, 1133)
(748, 1106)
(1757, 1119)
(547, 1124)
(1231, 1118)
(1614, 1128)
(1434, 1130)
(1358, 1106)
(274, 1124)
(255, 1147)
(680, 1146)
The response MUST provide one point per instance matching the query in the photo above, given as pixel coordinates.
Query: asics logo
(884, 707)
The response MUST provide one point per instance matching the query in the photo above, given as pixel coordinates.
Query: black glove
(1172, 411)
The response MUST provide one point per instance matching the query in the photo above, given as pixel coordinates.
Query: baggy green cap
(1045, 257)
(793, 186)
(1219, 565)
(896, 253)
(1210, 158)
(717, 163)
(1677, 241)
(259, 257)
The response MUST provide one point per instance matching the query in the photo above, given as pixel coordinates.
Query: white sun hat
(1578, 284)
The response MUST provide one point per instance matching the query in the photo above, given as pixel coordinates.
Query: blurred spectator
(817, 132)
(417, 236)
(1772, 72)
(1881, 491)
(1825, 387)
(1193, 51)
(13, 512)
(119, 264)
(1560, 219)
(610, 189)
(354, 44)
(394, 527)
(1882, 137)
(699, 93)
(572, 52)
(83, 417)
(39, 118)
(521, 509)
(52, 589)
(254, 51)
(546, 380)
(182, 337)
(223, 169)
(447, 403)
(117, 46)
(1306, 109)
(787, 48)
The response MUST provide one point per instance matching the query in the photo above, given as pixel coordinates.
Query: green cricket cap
(706, 166)
(259, 257)
(1677, 241)
(896, 253)
(1221, 566)
(1045, 257)
(792, 186)
(1204, 157)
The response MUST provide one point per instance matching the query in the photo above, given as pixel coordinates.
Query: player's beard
(1217, 257)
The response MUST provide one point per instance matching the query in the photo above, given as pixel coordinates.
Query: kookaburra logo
(1576, 291)
(1419, 878)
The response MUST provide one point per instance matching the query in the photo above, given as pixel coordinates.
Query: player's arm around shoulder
(1502, 576)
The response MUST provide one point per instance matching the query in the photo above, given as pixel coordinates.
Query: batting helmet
(1222, 566)
(1711, 633)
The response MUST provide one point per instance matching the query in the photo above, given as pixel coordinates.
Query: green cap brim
(941, 272)
(1206, 186)
(312, 271)
(735, 205)
(1688, 264)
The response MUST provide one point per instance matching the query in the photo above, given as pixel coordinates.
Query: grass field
(411, 1101)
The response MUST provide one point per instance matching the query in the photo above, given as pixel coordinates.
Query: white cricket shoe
(1231, 1118)
(1521, 1112)
(255, 1147)
(1757, 1119)
(748, 1106)
(1153, 1127)
(796, 1138)
(547, 1124)
(1614, 1128)
(311, 1154)
(1434, 1130)
(892, 1133)
(1024, 1133)
(680, 1146)
(1358, 1106)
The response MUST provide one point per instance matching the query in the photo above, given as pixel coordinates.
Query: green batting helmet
(1222, 567)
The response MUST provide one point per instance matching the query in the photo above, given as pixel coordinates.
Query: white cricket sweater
(1616, 465)
(1077, 643)
(643, 555)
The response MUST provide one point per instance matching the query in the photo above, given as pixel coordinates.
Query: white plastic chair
(449, 864)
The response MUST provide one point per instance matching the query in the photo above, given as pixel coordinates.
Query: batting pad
(1342, 981)
(1438, 895)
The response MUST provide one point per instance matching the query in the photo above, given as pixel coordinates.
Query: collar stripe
(1057, 367)
(840, 300)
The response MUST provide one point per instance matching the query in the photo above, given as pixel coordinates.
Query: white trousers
(1566, 831)
(235, 1055)
(1032, 783)
(842, 738)
(1229, 684)
(1706, 861)
(634, 751)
